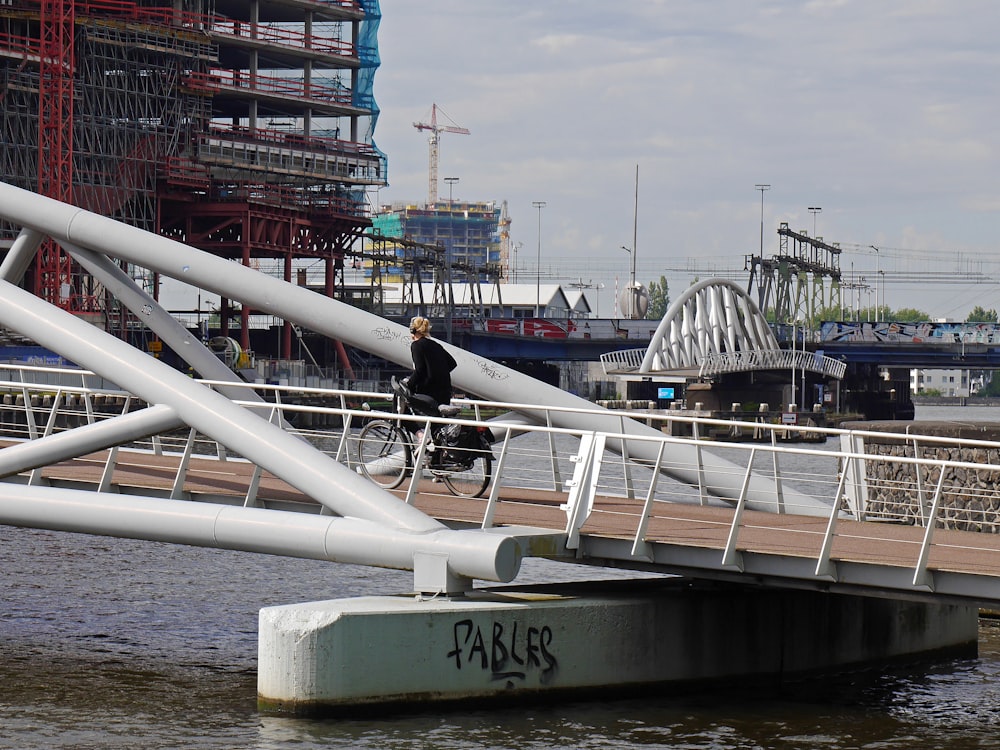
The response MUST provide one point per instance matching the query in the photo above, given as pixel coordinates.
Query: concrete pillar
(322, 657)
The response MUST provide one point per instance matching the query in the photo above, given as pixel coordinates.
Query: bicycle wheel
(471, 481)
(384, 453)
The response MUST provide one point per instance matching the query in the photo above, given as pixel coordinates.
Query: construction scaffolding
(242, 127)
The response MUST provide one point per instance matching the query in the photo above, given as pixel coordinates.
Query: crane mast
(436, 130)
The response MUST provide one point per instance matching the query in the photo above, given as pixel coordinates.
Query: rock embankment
(904, 492)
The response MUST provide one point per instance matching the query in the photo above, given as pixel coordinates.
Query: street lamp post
(633, 292)
(451, 183)
(878, 278)
(451, 219)
(814, 210)
(795, 397)
(762, 188)
(538, 265)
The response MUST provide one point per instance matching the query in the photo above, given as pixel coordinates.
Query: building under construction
(443, 243)
(240, 127)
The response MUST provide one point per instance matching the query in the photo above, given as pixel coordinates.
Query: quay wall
(903, 492)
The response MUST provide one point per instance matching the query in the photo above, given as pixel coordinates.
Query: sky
(884, 115)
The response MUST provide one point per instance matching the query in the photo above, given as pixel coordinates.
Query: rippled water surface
(108, 643)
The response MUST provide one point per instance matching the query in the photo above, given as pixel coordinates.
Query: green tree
(659, 299)
(979, 315)
(908, 315)
(992, 388)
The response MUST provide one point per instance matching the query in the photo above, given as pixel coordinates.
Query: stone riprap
(904, 492)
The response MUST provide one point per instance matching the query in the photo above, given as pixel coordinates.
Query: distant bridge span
(715, 327)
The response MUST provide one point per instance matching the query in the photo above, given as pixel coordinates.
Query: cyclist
(432, 365)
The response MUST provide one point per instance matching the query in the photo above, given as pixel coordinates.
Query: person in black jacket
(432, 365)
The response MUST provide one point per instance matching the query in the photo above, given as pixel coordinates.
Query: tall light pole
(814, 210)
(878, 277)
(633, 292)
(451, 183)
(795, 392)
(538, 265)
(762, 188)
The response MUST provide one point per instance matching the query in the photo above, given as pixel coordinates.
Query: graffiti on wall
(505, 652)
(923, 332)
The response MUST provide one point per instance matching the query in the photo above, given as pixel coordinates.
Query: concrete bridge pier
(586, 638)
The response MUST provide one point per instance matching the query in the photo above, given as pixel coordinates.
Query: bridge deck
(673, 526)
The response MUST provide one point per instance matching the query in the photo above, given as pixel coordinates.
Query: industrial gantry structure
(800, 281)
(241, 127)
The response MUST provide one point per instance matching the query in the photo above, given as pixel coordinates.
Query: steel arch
(712, 318)
(714, 328)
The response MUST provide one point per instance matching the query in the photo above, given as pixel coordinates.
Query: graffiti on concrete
(505, 653)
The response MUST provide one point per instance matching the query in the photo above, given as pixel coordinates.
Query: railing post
(856, 491)
(418, 462)
(29, 414)
(921, 575)
(626, 461)
(779, 494)
(36, 474)
(824, 565)
(556, 475)
(182, 468)
(250, 499)
(921, 492)
(50, 423)
(109, 470)
(491, 502)
(702, 493)
(583, 486)
(343, 454)
(731, 557)
(640, 547)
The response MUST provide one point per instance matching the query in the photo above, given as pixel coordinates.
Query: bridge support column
(519, 642)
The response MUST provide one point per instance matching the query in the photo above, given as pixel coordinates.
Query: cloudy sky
(883, 114)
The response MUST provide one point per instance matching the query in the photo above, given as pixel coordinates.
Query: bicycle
(461, 456)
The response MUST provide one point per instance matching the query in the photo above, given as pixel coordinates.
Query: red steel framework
(53, 268)
(242, 127)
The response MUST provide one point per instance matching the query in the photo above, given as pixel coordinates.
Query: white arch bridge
(624, 493)
(715, 328)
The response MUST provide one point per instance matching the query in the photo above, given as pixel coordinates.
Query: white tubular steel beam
(19, 257)
(302, 466)
(158, 320)
(340, 321)
(61, 446)
(473, 554)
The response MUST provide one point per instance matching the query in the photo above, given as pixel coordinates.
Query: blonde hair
(420, 326)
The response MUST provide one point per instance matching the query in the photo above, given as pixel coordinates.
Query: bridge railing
(930, 481)
(772, 359)
(624, 360)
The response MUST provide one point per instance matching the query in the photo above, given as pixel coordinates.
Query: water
(112, 643)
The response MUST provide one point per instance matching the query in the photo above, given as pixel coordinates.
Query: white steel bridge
(556, 492)
(715, 328)
(572, 482)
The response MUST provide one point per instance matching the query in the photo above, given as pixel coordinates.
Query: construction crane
(432, 183)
